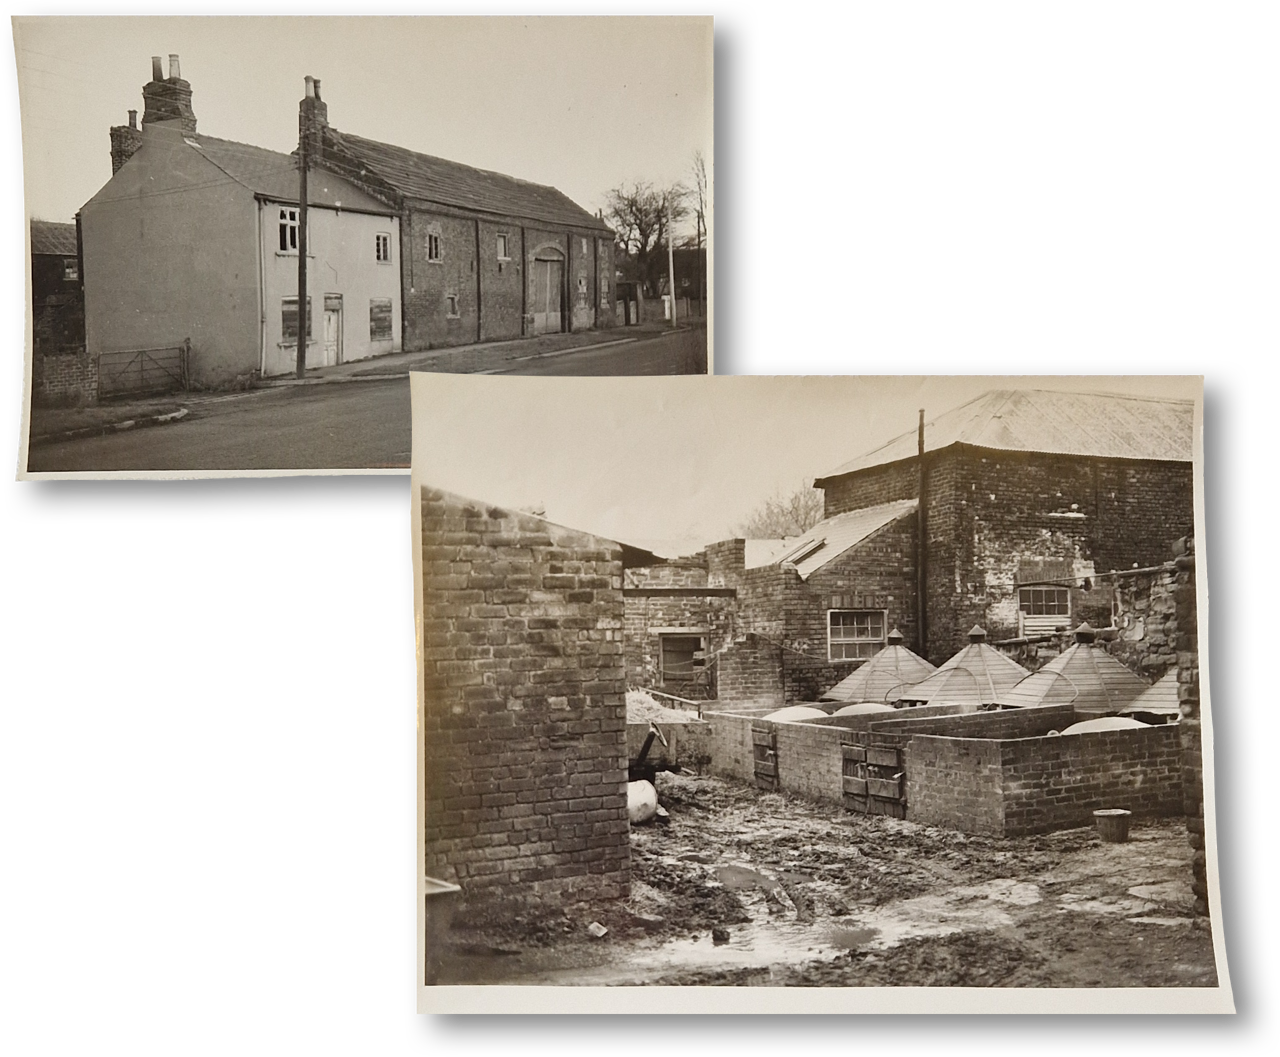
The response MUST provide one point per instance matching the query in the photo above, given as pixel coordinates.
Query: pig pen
(993, 773)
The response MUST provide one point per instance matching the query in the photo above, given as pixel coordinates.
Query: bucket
(1113, 824)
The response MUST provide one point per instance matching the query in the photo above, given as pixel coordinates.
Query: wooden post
(671, 268)
(922, 546)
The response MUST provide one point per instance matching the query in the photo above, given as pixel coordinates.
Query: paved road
(351, 425)
(358, 425)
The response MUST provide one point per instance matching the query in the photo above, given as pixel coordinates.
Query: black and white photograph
(477, 195)
(827, 683)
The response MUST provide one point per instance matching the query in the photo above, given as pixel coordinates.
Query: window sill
(294, 253)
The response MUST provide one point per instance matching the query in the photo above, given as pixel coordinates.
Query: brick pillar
(1189, 725)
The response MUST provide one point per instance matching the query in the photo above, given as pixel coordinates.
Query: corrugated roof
(829, 539)
(274, 175)
(1085, 676)
(892, 669)
(1041, 420)
(765, 552)
(49, 236)
(1160, 698)
(454, 184)
(977, 675)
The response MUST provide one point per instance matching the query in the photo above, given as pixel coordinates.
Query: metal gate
(143, 370)
(764, 746)
(874, 780)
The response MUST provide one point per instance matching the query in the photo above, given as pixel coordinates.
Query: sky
(675, 463)
(582, 104)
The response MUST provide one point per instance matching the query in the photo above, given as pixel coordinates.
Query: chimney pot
(175, 72)
(311, 86)
(157, 68)
(317, 84)
(133, 119)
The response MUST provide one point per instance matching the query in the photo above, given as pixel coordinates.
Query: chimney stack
(313, 116)
(168, 99)
(133, 119)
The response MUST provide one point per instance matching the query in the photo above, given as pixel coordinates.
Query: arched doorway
(546, 291)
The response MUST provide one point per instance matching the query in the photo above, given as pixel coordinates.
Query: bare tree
(786, 514)
(639, 214)
(700, 216)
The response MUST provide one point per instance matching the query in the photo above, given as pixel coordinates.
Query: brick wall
(1188, 647)
(1005, 723)
(729, 743)
(1057, 783)
(810, 763)
(1146, 614)
(956, 783)
(58, 376)
(991, 513)
(524, 715)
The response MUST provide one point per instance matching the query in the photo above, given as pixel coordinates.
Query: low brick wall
(729, 743)
(956, 783)
(1006, 723)
(810, 763)
(1057, 783)
(62, 374)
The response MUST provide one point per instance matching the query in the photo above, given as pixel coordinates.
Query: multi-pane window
(382, 247)
(70, 269)
(380, 319)
(288, 231)
(503, 252)
(854, 634)
(433, 247)
(1044, 601)
(289, 320)
(1043, 609)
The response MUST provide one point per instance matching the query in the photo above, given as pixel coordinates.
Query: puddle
(851, 939)
(741, 877)
(1170, 893)
(1161, 921)
(1082, 903)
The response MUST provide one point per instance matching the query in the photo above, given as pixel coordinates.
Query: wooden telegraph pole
(304, 136)
(671, 268)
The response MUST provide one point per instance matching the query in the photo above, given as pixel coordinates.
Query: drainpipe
(922, 546)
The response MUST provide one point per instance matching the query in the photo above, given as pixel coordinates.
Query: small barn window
(451, 302)
(289, 320)
(855, 634)
(433, 247)
(681, 656)
(504, 254)
(288, 231)
(1043, 609)
(70, 269)
(380, 319)
(382, 247)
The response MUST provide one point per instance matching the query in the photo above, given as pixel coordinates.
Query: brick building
(410, 251)
(524, 706)
(1026, 496)
(60, 367)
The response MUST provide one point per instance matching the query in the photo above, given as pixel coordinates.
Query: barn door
(548, 295)
(764, 746)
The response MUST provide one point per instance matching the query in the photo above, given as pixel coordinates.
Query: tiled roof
(977, 675)
(48, 236)
(1041, 420)
(1085, 676)
(829, 539)
(274, 175)
(1161, 696)
(451, 183)
(891, 670)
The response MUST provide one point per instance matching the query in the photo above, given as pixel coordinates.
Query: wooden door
(548, 296)
(332, 330)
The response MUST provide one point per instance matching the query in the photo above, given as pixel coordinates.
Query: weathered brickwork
(57, 376)
(1145, 612)
(993, 517)
(524, 720)
(650, 616)
(956, 783)
(1188, 648)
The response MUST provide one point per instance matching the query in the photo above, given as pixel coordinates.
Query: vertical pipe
(922, 546)
(304, 317)
(671, 268)
(479, 305)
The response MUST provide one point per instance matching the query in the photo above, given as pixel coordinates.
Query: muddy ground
(740, 888)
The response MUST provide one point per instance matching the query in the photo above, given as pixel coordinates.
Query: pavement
(487, 357)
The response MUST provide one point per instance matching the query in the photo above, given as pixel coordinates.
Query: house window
(1043, 609)
(854, 634)
(604, 286)
(503, 253)
(681, 656)
(451, 301)
(382, 247)
(433, 247)
(289, 320)
(70, 269)
(288, 231)
(380, 319)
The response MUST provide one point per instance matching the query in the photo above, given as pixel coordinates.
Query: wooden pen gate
(874, 780)
(137, 371)
(764, 747)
